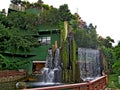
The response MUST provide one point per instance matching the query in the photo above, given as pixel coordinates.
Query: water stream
(90, 64)
(52, 72)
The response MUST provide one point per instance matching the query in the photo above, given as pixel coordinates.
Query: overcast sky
(103, 13)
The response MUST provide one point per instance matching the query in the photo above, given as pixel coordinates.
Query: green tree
(25, 4)
(86, 39)
(93, 37)
(3, 19)
(3, 12)
(110, 57)
(14, 41)
(22, 20)
(4, 37)
(116, 67)
(16, 2)
(65, 14)
(4, 63)
(106, 42)
(20, 42)
(117, 50)
(116, 64)
(50, 17)
(74, 24)
(40, 1)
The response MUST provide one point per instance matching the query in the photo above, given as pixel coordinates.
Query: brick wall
(12, 75)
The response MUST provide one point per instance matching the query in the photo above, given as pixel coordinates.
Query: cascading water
(90, 64)
(52, 72)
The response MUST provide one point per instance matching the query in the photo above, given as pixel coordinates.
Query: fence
(97, 84)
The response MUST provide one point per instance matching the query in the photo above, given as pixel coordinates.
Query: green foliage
(113, 81)
(85, 39)
(15, 32)
(14, 64)
(64, 59)
(64, 12)
(61, 26)
(3, 18)
(116, 67)
(117, 51)
(13, 40)
(50, 17)
(16, 1)
(25, 4)
(74, 23)
(45, 6)
(106, 42)
(4, 37)
(53, 16)
(22, 21)
(4, 63)
(74, 61)
(64, 55)
(110, 57)
(20, 42)
(68, 56)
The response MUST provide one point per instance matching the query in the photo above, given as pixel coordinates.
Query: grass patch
(113, 81)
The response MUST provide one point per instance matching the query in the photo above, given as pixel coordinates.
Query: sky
(103, 13)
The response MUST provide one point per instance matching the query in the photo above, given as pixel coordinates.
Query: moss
(68, 57)
(64, 61)
(74, 59)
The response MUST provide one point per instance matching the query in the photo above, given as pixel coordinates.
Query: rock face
(52, 72)
(21, 85)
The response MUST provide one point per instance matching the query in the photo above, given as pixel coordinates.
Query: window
(44, 40)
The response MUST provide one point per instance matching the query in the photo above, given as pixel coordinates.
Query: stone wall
(12, 75)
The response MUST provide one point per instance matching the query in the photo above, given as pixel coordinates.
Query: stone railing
(17, 7)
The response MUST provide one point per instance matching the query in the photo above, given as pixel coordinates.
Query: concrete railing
(17, 7)
(97, 84)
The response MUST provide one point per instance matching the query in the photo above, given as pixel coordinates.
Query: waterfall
(90, 64)
(52, 72)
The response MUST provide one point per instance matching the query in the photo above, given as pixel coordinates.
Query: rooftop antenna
(77, 10)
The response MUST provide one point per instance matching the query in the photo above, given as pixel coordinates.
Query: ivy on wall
(68, 57)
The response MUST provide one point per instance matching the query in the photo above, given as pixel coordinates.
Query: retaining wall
(12, 75)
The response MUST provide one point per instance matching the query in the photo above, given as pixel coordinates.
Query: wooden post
(89, 85)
